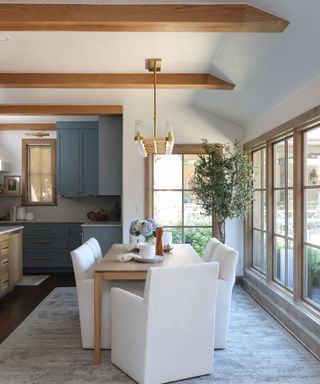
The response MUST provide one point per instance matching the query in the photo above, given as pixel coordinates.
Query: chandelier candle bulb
(154, 145)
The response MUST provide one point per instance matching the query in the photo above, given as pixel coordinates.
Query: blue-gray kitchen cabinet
(106, 235)
(77, 158)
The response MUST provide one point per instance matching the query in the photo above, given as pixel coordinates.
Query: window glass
(312, 157)
(311, 205)
(168, 207)
(39, 172)
(279, 165)
(40, 177)
(189, 162)
(198, 238)
(193, 212)
(259, 210)
(312, 216)
(280, 212)
(174, 205)
(167, 172)
(283, 212)
(312, 272)
(280, 259)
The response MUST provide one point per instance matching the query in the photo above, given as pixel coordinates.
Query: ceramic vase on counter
(13, 213)
(21, 212)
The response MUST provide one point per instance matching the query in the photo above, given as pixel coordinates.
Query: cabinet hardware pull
(40, 229)
(40, 242)
(40, 258)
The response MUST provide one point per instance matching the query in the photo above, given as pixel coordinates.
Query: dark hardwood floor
(18, 304)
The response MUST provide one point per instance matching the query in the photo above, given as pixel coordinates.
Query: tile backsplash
(67, 209)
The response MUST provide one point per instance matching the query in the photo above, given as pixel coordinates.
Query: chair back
(226, 257)
(212, 247)
(180, 307)
(83, 261)
(95, 248)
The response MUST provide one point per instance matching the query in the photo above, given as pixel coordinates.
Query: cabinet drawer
(45, 242)
(46, 229)
(4, 248)
(4, 281)
(38, 258)
(4, 237)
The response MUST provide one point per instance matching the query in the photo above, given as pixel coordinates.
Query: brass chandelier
(156, 145)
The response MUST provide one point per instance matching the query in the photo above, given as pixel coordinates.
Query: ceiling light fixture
(157, 145)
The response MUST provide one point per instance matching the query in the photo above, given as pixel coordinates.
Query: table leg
(97, 316)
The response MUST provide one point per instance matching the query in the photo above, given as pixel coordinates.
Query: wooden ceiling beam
(112, 80)
(55, 109)
(139, 17)
(27, 126)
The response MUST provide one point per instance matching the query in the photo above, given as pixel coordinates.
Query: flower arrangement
(145, 228)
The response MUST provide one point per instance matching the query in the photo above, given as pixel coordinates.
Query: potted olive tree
(222, 182)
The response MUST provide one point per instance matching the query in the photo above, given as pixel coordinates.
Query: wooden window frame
(25, 171)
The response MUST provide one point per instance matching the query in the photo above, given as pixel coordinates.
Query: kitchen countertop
(83, 223)
(9, 229)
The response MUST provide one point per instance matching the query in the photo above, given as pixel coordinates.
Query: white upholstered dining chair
(167, 335)
(95, 248)
(227, 258)
(83, 261)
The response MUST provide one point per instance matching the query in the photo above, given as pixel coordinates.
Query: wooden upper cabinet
(39, 172)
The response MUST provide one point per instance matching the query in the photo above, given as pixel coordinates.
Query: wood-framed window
(39, 172)
(311, 209)
(259, 219)
(169, 198)
(283, 227)
(286, 210)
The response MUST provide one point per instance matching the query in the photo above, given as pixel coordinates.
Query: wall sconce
(314, 177)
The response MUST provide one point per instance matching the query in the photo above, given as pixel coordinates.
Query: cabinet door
(106, 236)
(69, 162)
(15, 258)
(89, 162)
(110, 155)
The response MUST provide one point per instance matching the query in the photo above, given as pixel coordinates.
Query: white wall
(297, 103)
(191, 125)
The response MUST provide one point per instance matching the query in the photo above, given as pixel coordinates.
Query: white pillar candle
(167, 238)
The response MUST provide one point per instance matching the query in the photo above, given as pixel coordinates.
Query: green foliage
(198, 238)
(222, 182)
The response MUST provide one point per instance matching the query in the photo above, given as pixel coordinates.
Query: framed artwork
(12, 185)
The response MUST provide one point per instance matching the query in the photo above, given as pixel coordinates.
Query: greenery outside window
(38, 172)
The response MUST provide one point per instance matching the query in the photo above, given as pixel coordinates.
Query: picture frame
(12, 185)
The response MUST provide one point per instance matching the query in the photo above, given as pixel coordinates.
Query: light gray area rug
(45, 349)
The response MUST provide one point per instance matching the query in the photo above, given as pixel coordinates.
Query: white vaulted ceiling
(265, 67)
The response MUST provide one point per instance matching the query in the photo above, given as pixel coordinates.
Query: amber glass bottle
(159, 246)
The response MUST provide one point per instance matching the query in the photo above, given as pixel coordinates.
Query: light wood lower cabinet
(10, 260)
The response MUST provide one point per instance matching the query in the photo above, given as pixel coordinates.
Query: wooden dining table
(110, 268)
